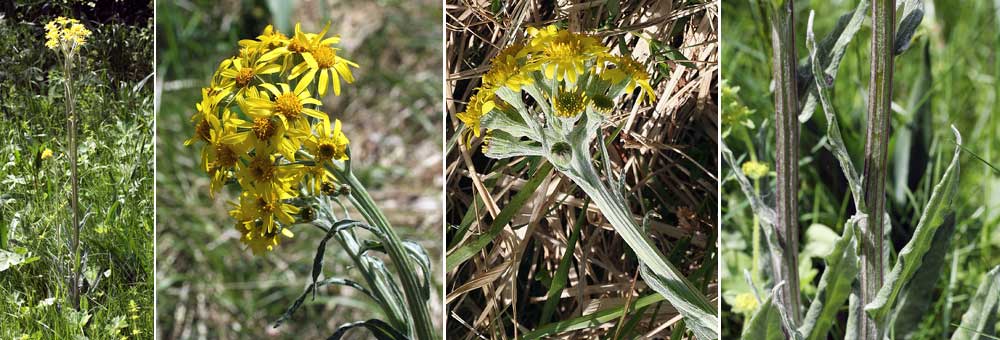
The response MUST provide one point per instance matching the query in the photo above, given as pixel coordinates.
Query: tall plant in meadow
(860, 270)
(66, 37)
(262, 130)
(571, 82)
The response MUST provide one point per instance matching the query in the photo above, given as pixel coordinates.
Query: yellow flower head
(327, 144)
(46, 154)
(65, 34)
(569, 104)
(564, 54)
(479, 105)
(508, 69)
(632, 73)
(745, 303)
(755, 170)
(260, 127)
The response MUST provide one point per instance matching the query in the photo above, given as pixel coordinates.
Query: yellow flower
(268, 208)
(755, 170)
(745, 303)
(46, 154)
(67, 35)
(324, 59)
(564, 54)
(507, 69)
(288, 105)
(327, 145)
(257, 216)
(632, 73)
(266, 129)
(222, 153)
(258, 143)
(569, 104)
(263, 176)
(208, 107)
(479, 105)
(269, 39)
(240, 73)
(301, 43)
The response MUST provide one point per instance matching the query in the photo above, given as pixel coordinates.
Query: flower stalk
(74, 180)
(876, 153)
(785, 263)
(405, 268)
(66, 37)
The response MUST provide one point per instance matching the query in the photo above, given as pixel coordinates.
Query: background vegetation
(955, 55)
(666, 152)
(208, 285)
(115, 164)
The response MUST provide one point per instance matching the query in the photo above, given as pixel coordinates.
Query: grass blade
(590, 320)
(560, 278)
(469, 249)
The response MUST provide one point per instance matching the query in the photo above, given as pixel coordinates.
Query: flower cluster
(755, 170)
(262, 129)
(574, 70)
(65, 34)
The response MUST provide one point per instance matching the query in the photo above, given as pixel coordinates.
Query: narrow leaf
(979, 322)
(917, 296)
(470, 248)
(379, 329)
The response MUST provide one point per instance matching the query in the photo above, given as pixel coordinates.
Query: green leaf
(917, 296)
(379, 329)
(979, 322)
(9, 259)
(830, 52)
(311, 289)
(911, 256)
(765, 324)
(562, 272)
(834, 286)
(423, 259)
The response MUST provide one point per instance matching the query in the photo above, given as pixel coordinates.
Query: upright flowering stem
(71, 127)
(405, 268)
(787, 155)
(876, 145)
(700, 314)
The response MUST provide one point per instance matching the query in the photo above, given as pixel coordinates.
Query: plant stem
(876, 145)
(405, 268)
(71, 122)
(699, 313)
(786, 155)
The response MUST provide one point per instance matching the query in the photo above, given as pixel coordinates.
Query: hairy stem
(700, 314)
(405, 268)
(876, 145)
(71, 129)
(787, 155)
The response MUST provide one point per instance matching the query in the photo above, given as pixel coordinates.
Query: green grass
(213, 286)
(116, 168)
(961, 46)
